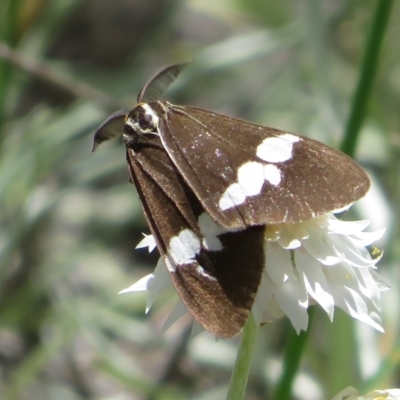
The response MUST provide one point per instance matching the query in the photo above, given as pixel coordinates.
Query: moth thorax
(141, 120)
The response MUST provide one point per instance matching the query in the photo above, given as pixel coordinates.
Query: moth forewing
(246, 174)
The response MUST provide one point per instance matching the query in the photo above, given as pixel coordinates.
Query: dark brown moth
(209, 184)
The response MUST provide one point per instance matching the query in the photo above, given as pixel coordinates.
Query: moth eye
(128, 130)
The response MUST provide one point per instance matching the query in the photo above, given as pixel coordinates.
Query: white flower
(323, 260)
(148, 241)
(352, 394)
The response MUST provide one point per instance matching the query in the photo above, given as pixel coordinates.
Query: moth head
(142, 120)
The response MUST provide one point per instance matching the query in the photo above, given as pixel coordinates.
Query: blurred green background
(70, 220)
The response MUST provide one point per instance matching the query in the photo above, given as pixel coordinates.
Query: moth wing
(245, 174)
(209, 266)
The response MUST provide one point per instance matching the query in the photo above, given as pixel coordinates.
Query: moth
(210, 184)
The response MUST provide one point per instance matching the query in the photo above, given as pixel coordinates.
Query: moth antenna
(113, 126)
(160, 82)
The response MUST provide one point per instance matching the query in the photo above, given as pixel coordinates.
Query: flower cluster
(323, 260)
(352, 394)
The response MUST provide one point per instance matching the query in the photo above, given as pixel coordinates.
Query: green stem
(368, 71)
(240, 374)
(294, 351)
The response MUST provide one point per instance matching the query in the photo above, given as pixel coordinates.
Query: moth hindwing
(209, 184)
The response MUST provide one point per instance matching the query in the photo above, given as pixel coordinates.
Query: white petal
(177, 313)
(298, 231)
(287, 240)
(346, 227)
(315, 281)
(345, 393)
(382, 285)
(322, 250)
(263, 297)
(368, 286)
(394, 394)
(352, 394)
(272, 232)
(147, 241)
(139, 286)
(342, 209)
(353, 304)
(272, 312)
(292, 298)
(161, 281)
(356, 257)
(363, 239)
(210, 231)
(278, 264)
(153, 283)
(319, 225)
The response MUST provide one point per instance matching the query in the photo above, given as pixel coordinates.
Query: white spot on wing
(184, 247)
(233, 196)
(250, 182)
(251, 178)
(278, 148)
(200, 270)
(169, 263)
(272, 174)
(252, 175)
(210, 231)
